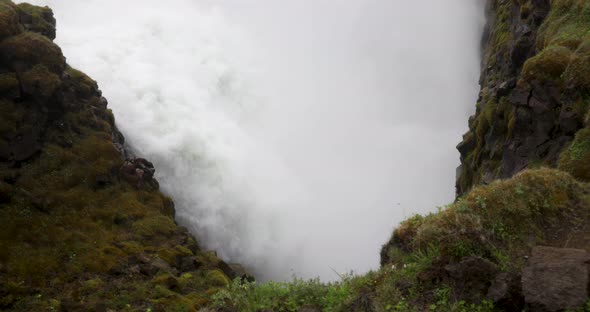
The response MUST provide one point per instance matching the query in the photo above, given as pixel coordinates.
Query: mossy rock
(40, 82)
(84, 85)
(92, 285)
(217, 278)
(171, 255)
(153, 226)
(177, 303)
(37, 19)
(23, 51)
(577, 74)
(9, 19)
(548, 65)
(541, 206)
(166, 280)
(576, 158)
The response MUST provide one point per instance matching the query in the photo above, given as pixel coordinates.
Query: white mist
(293, 135)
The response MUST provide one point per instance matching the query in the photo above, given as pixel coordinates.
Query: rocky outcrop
(533, 97)
(84, 226)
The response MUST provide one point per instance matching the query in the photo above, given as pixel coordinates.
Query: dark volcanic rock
(506, 292)
(526, 113)
(556, 279)
(138, 172)
(471, 277)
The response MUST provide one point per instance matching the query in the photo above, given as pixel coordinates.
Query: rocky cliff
(83, 224)
(534, 90)
(522, 185)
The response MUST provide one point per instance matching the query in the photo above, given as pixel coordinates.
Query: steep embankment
(83, 225)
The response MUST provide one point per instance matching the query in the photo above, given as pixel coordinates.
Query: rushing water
(292, 135)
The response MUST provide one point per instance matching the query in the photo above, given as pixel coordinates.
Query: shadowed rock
(556, 279)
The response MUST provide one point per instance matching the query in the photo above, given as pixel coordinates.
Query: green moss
(8, 19)
(502, 215)
(217, 278)
(152, 226)
(548, 65)
(39, 81)
(93, 284)
(38, 19)
(577, 74)
(170, 255)
(564, 39)
(567, 24)
(84, 84)
(32, 48)
(166, 280)
(576, 158)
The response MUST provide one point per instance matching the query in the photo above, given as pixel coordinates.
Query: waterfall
(293, 135)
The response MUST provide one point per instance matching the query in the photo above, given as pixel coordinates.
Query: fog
(292, 135)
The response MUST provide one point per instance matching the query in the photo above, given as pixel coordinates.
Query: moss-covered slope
(82, 226)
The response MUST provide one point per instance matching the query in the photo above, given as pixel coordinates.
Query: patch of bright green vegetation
(564, 42)
(378, 291)
(576, 158)
(288, 296)
(548, 65)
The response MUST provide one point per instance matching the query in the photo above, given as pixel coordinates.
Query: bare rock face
(556, 279)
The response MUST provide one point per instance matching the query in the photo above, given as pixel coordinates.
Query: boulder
(556, 279)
